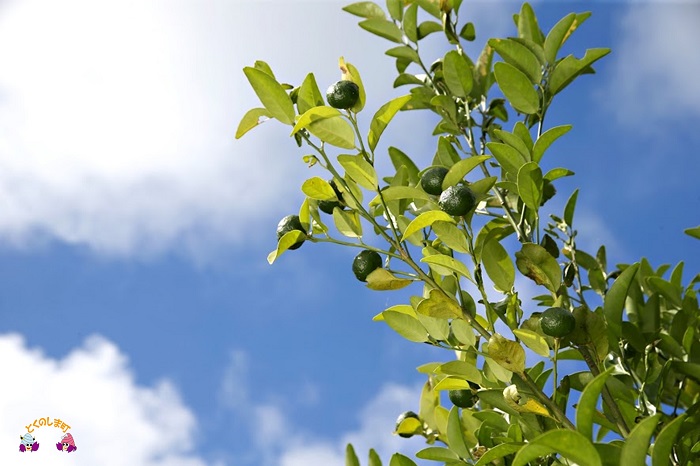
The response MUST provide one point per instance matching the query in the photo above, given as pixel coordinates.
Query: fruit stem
(554, 360)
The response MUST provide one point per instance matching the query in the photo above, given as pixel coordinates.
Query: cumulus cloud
(278, 441)
(655, 72)
(117, 123)
(113, 420)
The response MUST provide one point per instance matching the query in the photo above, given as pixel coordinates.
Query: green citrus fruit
(343, 94)
(457, 200)
(462, 398)
(432, 179)
(287, 224)
(402, 417)
(365, 263)
(328, 206)
(557, 322)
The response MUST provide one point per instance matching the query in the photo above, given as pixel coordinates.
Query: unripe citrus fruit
(365, 263)
(432, 179)
(402, 417)
(457, 200)
(462, 398)
(328, 206)
(343, 94)
(287, 224)
(557, 322)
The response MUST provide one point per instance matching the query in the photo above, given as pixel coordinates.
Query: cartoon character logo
(29, 443)
(66, 444)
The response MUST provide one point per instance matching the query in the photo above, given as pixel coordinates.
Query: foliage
(636, 327)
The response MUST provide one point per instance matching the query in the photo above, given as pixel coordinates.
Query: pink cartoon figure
(28, 443)
(66, 444)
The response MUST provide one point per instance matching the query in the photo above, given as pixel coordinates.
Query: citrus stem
(554, 371)
(317, 239)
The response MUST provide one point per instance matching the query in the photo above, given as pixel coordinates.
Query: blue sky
(135, 297)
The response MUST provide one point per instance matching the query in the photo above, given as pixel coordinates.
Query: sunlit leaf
(460, 169)
(507, 353)
(586, 408)
(615, 300)
(318, 188)
(665, 441)
(406, 326)
(365, 10)
(570, 444)
(517, 88)
(457, 73)
(570, 67)
(530, 185)
(425, 220)
(536, 263)
(359, 170)
(382, 28)
(634, 451)
(382, 118)
(519, 56)
(382, 280)
(498, 265)
(439, 305)
(546, 139)
(251, 119)
(533, 340)
(309, 95)
(272, 95)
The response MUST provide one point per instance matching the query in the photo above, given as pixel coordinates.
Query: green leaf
(527, 25)
(519, 56)
(309, 95)
(536, 263)
(439, 305)
(350, 456)
(570, 444)
(264, 67)
(463, 332)
(688, 368)
(457, 73)
(437, 454)
(318, 188)
(327, 124)
(570, 67)
(561, 32)
(451, 236)
(393, 193)
(272, 95)
(570, 208)
(694, 232)
(382, 118)
(284, 243)
(406, 326)
(428, 27)
(449, 262)
(359, 170)
(374, 459)
(665, 441)
(508, 354)
(347, 223)
(556, 173)
(460, 169)
(498, 265)
(634, 451)
(586, 409)
(365, 10)
(546, 140)
(400, 460)
(668, 290)
(250, 120)
(615, 300)
(425, 220)
(404, 51)
(468, 32)
(395, 8)
(461, 369)
(382, 28)
(533, 340)
(514, 141)
(499, 451)
(530, 185)
(351, 73)
(406, 79)
(455, 438)
(517, 88)
(508, 157)
(382, 280)
(399, 159)
(410, 21)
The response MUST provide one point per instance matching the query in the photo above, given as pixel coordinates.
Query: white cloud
(278, 441)
(655, 71)
(114, 420)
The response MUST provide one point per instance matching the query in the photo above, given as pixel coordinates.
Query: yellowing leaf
(508, 354)
(382, 280)
(439, 305)
(425, 220)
